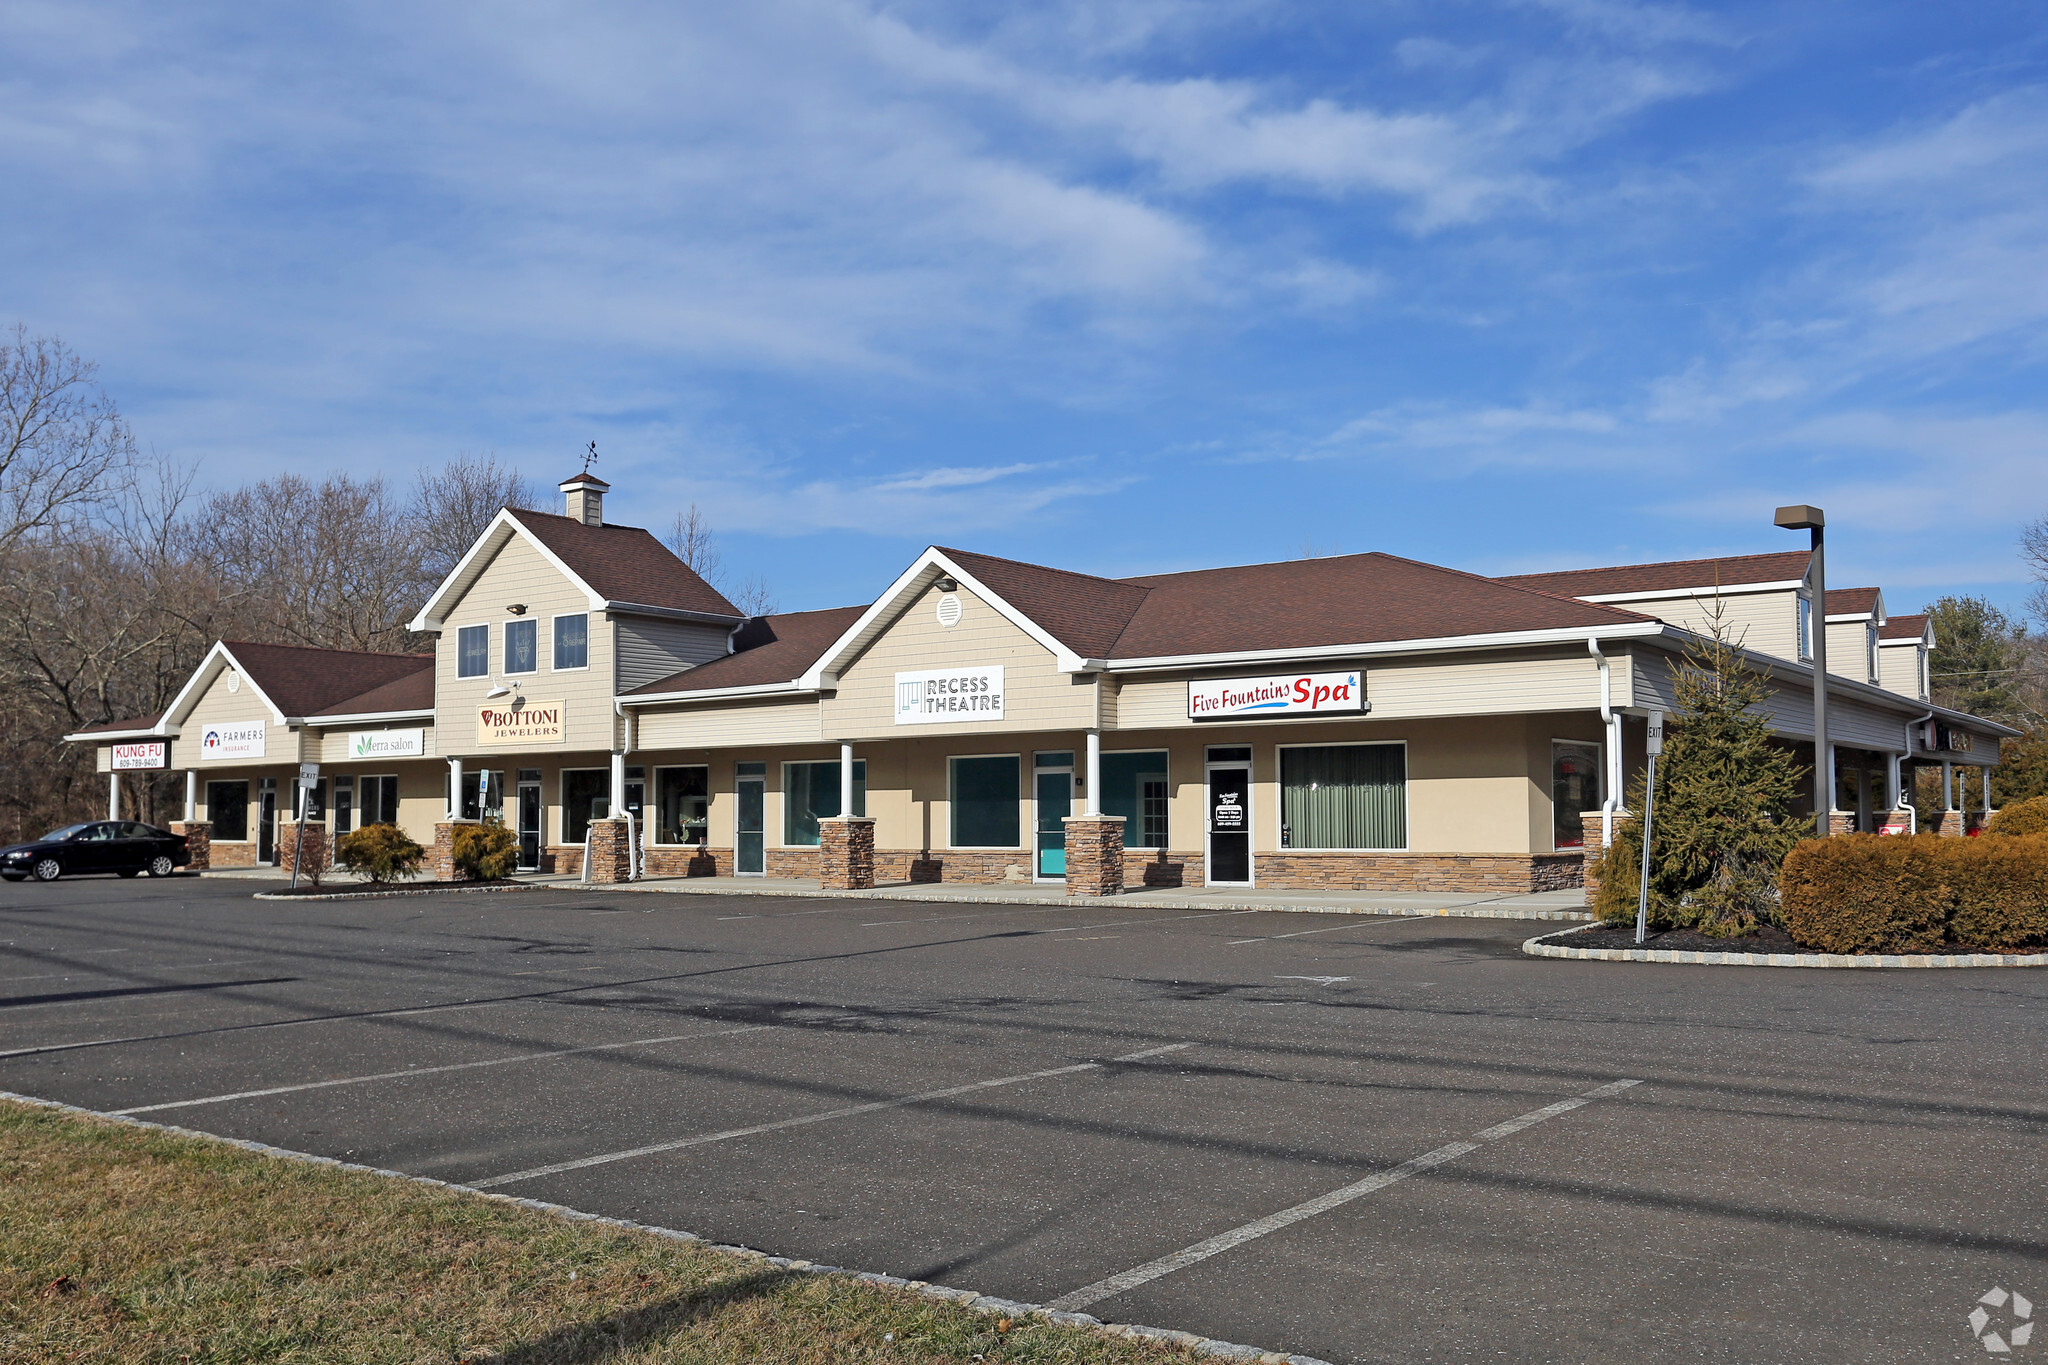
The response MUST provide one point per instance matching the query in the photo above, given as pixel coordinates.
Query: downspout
(1911, 726)
(634, 859)
(1613, 731)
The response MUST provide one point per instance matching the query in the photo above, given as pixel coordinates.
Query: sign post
(309, 773)
(1654, 747)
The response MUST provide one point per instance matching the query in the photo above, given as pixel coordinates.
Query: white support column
(846, 779)
(454, 789)
(1091, 799)
(1832, 792)
(618, 801)
(1987, 791)
(191, 795)
(1891, 781)
(1948, 785)
(113, 796)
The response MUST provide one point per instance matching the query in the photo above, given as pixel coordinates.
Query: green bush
(2024, 817)
(1869, 893)
(382, 853)
(485, 852)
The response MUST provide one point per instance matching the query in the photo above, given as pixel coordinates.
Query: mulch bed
(1769, 939)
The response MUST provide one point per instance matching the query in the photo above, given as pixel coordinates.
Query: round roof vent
(949, 611)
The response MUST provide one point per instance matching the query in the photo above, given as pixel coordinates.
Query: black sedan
(124, 846)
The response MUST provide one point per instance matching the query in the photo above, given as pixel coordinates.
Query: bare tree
(63, 446)
(455, 504)
(753, 596)
(690, 536)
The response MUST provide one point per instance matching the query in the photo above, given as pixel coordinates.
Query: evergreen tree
(1980, 659)
(1723, 822)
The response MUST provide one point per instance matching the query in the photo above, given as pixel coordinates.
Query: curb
(433, 889)
(966, 1298)
(1477, 911)
(1536, 947)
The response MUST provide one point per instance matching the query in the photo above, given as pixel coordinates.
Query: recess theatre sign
(1276, 694)
(526, 722)
(956, 694)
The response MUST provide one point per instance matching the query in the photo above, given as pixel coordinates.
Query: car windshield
(68, 832)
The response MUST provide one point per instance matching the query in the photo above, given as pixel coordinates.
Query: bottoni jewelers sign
(525, 722)
(1276, 694)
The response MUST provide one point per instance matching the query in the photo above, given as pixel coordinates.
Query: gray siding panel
(650, 649)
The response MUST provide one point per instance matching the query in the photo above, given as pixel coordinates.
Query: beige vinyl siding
(331, 746)
(650, 648)
(1764, 621)
(218, 706)
(740, 725)
(1396, 688)
(1849, 650)
(1899, 669)
(518, 574)
(1036, 695)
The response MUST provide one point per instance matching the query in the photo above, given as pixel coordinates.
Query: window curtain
(1344, 796)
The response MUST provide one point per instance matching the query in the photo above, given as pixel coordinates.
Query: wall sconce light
(517, 609)
(499, 690)
(946, 584)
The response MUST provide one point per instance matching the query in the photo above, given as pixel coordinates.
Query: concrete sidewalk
(1541, 905)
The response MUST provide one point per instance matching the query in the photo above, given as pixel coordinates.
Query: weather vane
(588, 456)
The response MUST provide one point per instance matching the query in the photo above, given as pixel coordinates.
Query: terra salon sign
(956, 694)
(387, 744)
(526, 722)
(1276, 694)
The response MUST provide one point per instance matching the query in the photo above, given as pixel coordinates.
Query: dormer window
(522, 646)
(1870, 647)
(473, 651)
(1806, 630)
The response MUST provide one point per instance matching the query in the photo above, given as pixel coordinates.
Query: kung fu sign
(1276, 694)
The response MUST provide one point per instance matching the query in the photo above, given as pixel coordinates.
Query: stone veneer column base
(315, 861)
(1596, 844)
(1951, 824)
(1842, 822)
(611, 852)
(441, 857)
(199, 838)
(846, 852)
(1095, 855)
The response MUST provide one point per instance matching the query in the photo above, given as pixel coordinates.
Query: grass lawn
(122, 1244)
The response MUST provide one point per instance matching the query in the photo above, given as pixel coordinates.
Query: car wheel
(47, 869)
(161, 865)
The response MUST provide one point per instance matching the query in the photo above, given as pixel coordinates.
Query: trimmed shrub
(485, 852)
(383, 853)
(1866, 893)
(2026, 817)
(1869, 893)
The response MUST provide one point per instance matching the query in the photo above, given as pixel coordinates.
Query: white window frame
(459, 632)
(505, 645)
(1024, 818)
(1600, 787)
(1280, 843)
(1802, 627)
(1871, 642)
(554, 624)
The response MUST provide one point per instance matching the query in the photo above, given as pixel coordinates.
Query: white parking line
(1222, 1242)
(1304, 933)
(434, 1070)
(805, 1119)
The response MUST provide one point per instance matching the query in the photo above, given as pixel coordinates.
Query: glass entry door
(1055, 793)
(1229, 861)
(266, 822)
(529, 824)
(749, 835)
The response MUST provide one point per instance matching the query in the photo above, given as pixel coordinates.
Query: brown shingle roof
(1347, 599)
(303, 681)
(413, 692)
(1851, 601)
(626, 564)
(1902, 628)
(1081, 611)
(1673, 576)
(132, 723)
(769, 649)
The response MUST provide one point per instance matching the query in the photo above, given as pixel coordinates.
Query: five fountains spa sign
(1276, 694)
(532, 722)
(954, 694)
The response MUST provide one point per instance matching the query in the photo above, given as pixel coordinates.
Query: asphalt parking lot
(1361, 1138)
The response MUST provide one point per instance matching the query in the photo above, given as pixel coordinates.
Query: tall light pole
(1804, 518)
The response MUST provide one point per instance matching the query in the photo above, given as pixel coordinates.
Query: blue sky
(1119, 285)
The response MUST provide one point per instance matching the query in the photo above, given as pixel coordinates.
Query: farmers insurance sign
(1276, 694)
(387, 744)
(147, 753)
(956, 694)
(243, 739)
(533, 722)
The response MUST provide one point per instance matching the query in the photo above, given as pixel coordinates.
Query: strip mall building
(1356, 722)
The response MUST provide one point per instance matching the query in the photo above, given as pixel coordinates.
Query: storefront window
(380, 800)
(984, 802)
(522, 649)
(227, 806)
(683, 798)
(473, 651)
(1349, 796)
(483, 794)
(1134, 786)
(586, 796)
(572, 641)
(1574, 790)
(810, 793)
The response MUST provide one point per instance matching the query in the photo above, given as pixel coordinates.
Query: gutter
(360, 718)
(713, 618)
(1436, 645)
(787, 689)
